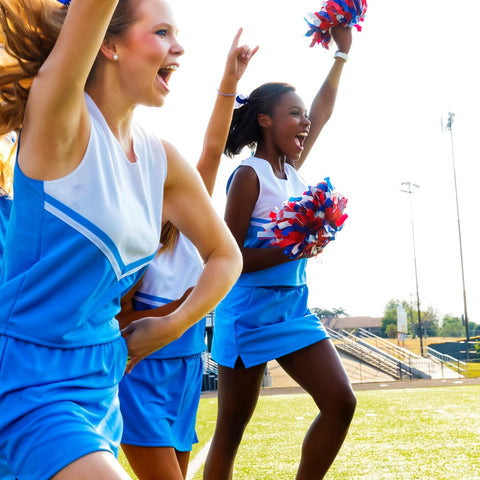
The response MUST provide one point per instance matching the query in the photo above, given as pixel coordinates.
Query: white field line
(196, 464)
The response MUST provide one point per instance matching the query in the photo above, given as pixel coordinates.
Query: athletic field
(412, 432)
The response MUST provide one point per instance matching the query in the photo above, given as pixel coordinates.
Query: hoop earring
(115, 57)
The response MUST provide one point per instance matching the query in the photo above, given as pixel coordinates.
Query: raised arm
(219, 123)
(213, 146)
(56, 125)
(324, 102)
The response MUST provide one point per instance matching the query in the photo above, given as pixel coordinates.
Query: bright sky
(412, 63)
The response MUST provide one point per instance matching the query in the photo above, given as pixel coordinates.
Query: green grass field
(405, 434)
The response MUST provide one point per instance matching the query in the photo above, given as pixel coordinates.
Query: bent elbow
(237, 261)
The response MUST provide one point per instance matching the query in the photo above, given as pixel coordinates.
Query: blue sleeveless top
(5, 207)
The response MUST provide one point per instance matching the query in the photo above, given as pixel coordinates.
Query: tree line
(433, 325)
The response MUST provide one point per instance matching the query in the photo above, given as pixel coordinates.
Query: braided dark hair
(244, 129)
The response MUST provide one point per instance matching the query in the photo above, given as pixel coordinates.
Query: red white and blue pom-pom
(306, 224)
(348, 13)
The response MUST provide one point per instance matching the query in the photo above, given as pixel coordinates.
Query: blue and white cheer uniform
(265, 315)
(73, 247)
(159, 398)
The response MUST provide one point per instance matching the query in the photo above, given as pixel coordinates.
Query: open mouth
(166, 72)
(300, 139)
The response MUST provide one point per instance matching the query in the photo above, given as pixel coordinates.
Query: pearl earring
(115, 57)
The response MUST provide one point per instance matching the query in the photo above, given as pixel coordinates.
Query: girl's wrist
(228, 87)
(225, 94)
(341, 55)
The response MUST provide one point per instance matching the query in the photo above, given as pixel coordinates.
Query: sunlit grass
(405, 434)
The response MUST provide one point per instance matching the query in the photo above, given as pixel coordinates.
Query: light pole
(419, 315)
(448, 127)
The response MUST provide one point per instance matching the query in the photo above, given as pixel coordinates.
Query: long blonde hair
(8, 146)
(28, 32)
(29, 29)
(168, 237)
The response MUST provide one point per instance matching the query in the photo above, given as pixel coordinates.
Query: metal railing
(210, 372)
(394, 350)
(449, 362)
(431, 366)
(353, 346)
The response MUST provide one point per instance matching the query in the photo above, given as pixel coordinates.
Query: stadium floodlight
(419, 314)
(447, 126)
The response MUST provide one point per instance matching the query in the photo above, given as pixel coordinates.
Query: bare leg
(238, 391)
(95, 465)
(154, 463)
(183, 458)
(319, 371)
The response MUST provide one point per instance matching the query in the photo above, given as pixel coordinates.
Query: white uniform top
(273, 193)
(168, 277)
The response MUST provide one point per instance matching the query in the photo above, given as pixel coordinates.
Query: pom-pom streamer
(348, 13)
(306, 224)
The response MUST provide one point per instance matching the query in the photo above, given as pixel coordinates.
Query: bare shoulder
(179, 169)
(50, 150)
(243, 176)
(243, 190)
(246, 171)
(171, 151)
(182, 184)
